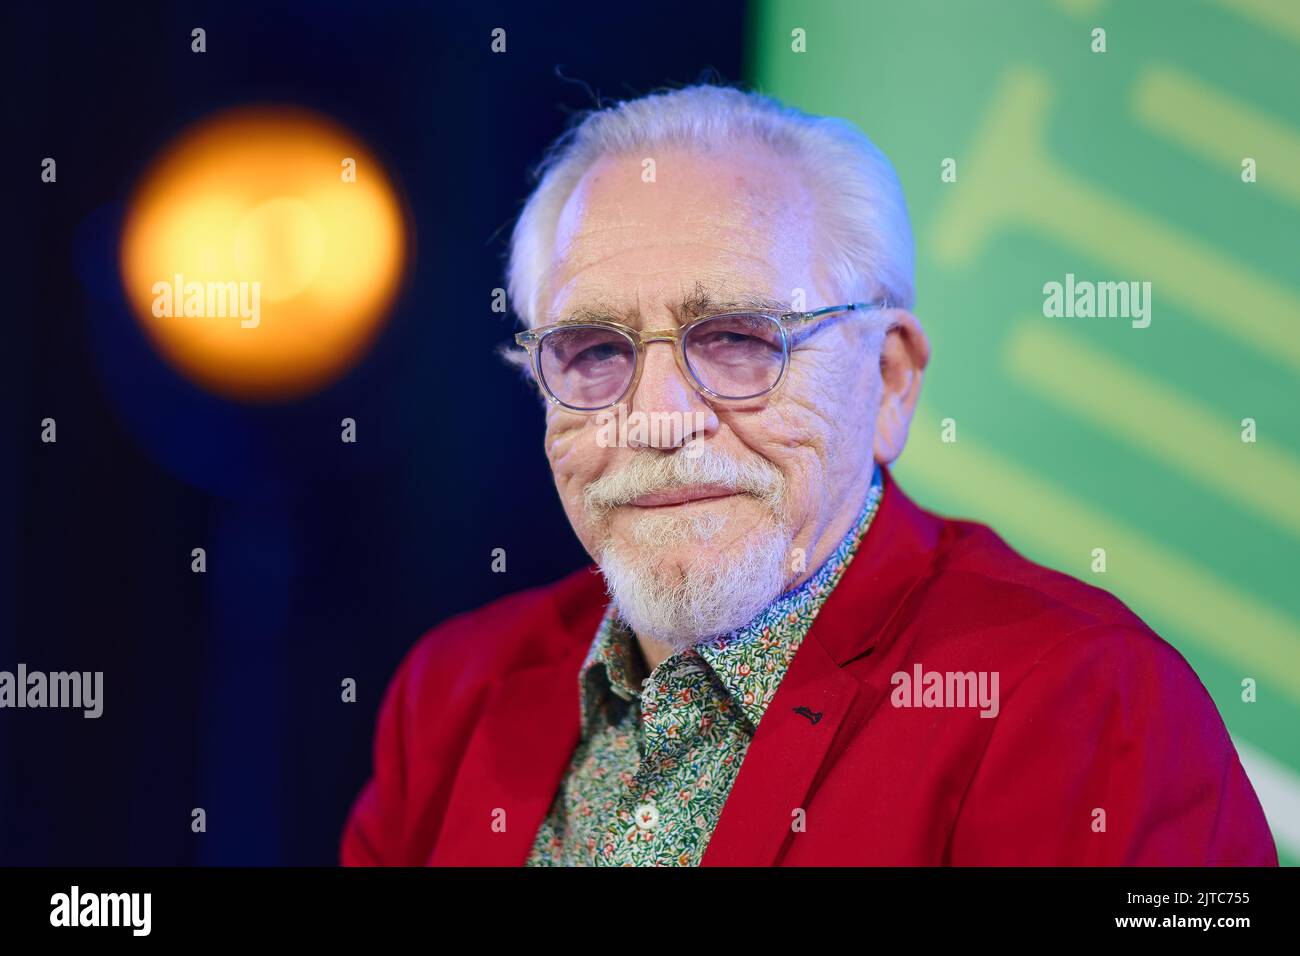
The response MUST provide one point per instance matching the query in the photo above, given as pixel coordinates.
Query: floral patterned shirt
(658, 755)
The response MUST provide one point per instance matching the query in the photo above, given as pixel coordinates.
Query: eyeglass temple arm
(832, 309)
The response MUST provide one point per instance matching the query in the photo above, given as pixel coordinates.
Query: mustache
(649, 472)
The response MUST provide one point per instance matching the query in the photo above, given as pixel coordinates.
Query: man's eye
(731, 341)
(733, 338)
(598, 353)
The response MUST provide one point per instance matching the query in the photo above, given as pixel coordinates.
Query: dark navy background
(325, 560)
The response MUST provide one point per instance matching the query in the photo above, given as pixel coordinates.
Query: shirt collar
(749, 661)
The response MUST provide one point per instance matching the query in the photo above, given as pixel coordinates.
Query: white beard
(684, 604)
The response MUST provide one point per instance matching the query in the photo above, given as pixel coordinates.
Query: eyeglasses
(590, 365)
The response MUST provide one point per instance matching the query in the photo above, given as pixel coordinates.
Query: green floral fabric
(658, 755)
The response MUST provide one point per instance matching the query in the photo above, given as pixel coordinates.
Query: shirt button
(647, 816)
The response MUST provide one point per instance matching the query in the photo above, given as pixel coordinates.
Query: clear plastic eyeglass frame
(789, 322)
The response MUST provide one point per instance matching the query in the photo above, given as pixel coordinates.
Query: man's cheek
(562, 438)
(786, 435)
(576, 461)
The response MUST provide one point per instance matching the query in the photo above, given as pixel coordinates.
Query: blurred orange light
(288, 263)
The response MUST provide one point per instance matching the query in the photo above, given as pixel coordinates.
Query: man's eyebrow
(700, 301)
(594, 313)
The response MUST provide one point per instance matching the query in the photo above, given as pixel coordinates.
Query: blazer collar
(897, 554)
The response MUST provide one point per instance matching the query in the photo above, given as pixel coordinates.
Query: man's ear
(903, 357)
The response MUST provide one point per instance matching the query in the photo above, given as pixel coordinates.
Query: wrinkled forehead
(682, 226)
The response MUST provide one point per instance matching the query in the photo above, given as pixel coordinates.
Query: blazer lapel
(512, 767)
(792, 743)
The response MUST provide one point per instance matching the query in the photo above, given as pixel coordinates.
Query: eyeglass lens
(733, 356)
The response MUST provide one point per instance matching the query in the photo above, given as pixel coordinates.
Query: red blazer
(1100, 724)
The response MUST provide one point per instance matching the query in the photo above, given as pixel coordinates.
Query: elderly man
(777, 657)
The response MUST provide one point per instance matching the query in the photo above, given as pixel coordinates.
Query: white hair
(861, 212)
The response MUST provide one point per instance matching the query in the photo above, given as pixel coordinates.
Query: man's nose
(668, 400)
